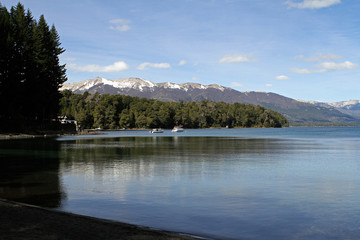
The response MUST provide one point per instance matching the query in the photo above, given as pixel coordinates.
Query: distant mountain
(351, 107)
(293, 110)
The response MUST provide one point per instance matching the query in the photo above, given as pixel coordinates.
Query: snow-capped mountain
(120, 85)
(293, 110)
(351, 107)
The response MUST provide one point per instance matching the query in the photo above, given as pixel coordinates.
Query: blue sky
(303, 49)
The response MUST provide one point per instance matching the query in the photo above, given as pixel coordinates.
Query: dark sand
(21, 221)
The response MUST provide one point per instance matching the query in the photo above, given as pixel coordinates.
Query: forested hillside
(30, 72)
(121, 111)
(295, 111)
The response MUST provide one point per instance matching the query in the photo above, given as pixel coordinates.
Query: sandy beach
(21, 221)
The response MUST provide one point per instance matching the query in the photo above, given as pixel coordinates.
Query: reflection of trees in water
(29, 172)
(143, 156)
(30, 169)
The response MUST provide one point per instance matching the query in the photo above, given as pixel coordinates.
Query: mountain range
(296, 111)
(351, 107)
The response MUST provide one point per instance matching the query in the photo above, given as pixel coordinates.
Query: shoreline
(21, 221)
(9, 136)
(25, 136)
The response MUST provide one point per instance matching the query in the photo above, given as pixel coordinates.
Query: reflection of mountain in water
(215, 184)
(29, 172)
(149, 156)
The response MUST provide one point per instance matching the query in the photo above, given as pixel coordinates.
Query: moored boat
(157, 130)
(177, 129)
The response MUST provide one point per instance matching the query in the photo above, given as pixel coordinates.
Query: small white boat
(157, 130)
(177, 129)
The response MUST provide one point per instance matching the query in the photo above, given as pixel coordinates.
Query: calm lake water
(290, 183)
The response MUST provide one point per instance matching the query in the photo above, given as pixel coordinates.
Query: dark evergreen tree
(6, 48)
(19, 39)
(30, 71)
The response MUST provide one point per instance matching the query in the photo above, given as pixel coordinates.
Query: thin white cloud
(302, 70)
(237, 84)
(233, 58)
(312, 4)
(147, 65)
(331, 66)
(326, 67)
(115, 67)
(182, 62)
(268, 85)
(121, 25)
(318, 57)
(282, 77)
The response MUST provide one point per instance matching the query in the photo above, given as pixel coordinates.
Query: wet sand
(21, 221)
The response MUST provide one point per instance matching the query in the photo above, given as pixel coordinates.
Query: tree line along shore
(121, 111)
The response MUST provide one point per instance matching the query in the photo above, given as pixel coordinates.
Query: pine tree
(5, 53)
(19, 40)
(30, 70)
(52, 74)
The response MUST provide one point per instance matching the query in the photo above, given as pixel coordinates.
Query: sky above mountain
(303, 49)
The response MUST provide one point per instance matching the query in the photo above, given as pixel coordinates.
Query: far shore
(20, 221)
(24, 135)
(51, 134)
(4, 136)
(9, 136)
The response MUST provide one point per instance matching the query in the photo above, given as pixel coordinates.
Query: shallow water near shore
(290, 183)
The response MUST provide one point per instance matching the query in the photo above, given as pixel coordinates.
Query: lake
(289, 183)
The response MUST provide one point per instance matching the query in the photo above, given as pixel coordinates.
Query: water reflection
(143, 155)
(223, 187)
(29, 172)
(217, 186)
